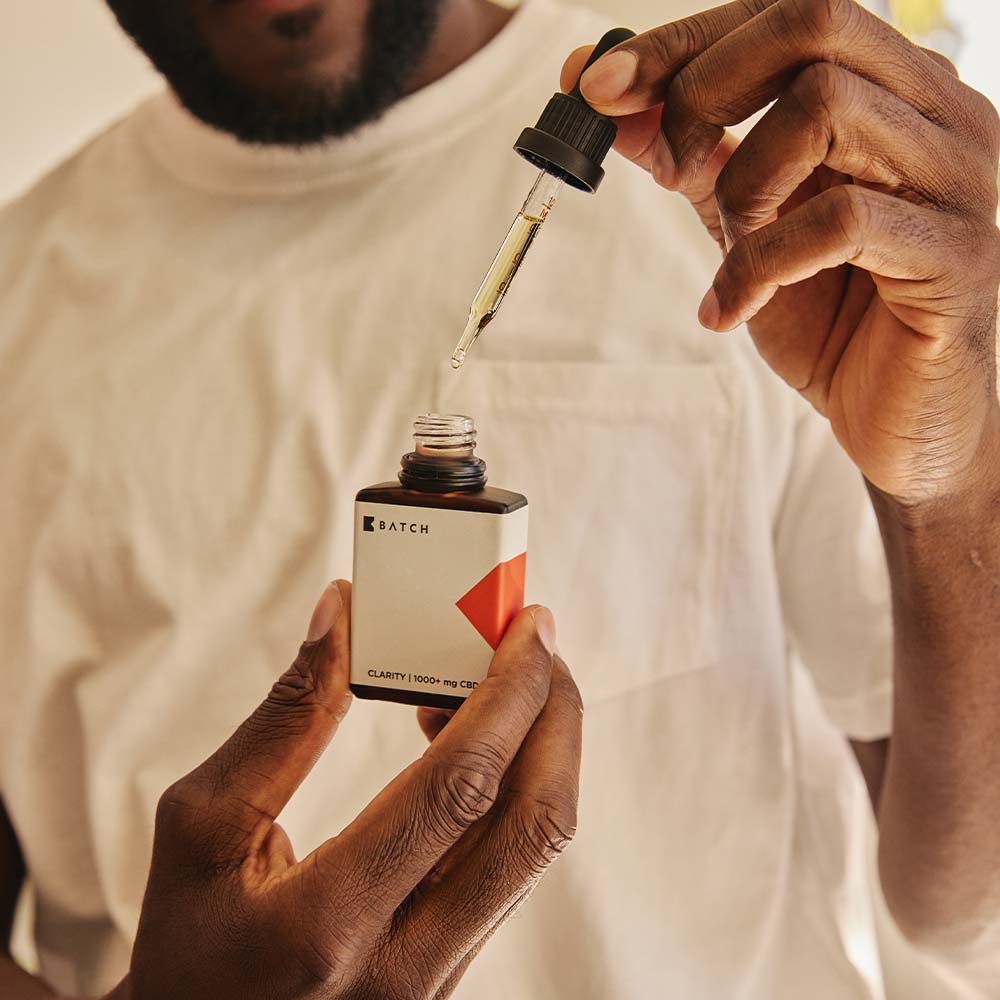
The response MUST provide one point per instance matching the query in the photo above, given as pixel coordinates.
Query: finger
(942, 60)
(831, 116)
(241, 788)
(432, 721)
(635, 132)
(906, 247)
(577, 59)
(639, 139)
(743, 72)
(634, 76)
(573, 67)
(406, 829)
(486, 876)
(453, 978)
(697, 185)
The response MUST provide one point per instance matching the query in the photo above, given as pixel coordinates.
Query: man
(209, 346)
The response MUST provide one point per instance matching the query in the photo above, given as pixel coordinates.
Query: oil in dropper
(568, 144)
(522, 234)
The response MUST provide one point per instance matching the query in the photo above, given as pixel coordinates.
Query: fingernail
(610, 77)
(326, 613)
(545, 626)
(664, 165)
(710, 311)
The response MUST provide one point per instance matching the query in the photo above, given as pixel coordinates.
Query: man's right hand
(400, 901)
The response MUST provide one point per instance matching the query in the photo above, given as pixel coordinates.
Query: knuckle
(684, 94)
(942, 60)
(974, 189)
(193, 827)
(566, 688)
(981, 241)
(183, 818)
(820, 90)
(528, 690)
(544, 828)
(180, 807)
(832, 16)
(297, 685)
(819, 20)
(743, 268)
(754, 7)
(309, 963)
(741, 207)
(850, 211)
(295, 699)
(728, 192)
(535, 679)
(989, 119)
(321, 957)
(978, 118)
(674, 43)
(464, 787)
(990, 114)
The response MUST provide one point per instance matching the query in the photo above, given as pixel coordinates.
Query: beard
(397, 36)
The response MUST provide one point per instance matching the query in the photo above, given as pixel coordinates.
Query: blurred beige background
(66, 71)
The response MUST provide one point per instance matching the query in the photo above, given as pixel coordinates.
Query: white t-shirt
(207, 349)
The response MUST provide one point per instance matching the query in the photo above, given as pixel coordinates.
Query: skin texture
(835, 212)
(400, 901)
(857, 223)
(275, 64)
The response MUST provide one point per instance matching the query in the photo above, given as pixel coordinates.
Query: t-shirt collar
(207, 158)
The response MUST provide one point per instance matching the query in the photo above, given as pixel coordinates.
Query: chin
(277, 72)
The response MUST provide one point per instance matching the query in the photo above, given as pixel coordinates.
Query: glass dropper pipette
(568, 144)
(519, 238)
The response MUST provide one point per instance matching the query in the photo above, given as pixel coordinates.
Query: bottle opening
(444, 459)
(444, 434)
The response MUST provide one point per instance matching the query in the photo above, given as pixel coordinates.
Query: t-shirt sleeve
(834, 582)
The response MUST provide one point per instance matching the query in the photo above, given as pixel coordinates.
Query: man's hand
(399, 902)
(858, 217)
(858, 223)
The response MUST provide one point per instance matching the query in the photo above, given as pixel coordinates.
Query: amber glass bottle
(439, 562)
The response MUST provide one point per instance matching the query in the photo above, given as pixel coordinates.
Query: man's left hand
(858, 218)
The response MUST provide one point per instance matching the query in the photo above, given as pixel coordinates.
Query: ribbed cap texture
(578, 125)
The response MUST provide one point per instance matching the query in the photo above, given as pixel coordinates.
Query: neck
(464, 27)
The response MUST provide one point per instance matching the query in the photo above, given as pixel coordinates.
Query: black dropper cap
(571, 139)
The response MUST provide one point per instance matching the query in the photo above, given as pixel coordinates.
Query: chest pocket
(628, 470)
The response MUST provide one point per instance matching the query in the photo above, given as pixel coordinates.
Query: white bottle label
(433, 592)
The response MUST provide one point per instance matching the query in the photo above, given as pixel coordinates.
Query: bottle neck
(444, 459)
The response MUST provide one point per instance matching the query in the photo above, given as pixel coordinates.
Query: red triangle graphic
(494, 602)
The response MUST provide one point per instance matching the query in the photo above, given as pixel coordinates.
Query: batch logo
(394, 527)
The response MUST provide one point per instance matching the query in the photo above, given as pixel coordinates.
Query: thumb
(635, 75)
(631, 82)
(636, 132)
(327, 610)
(251, 777)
